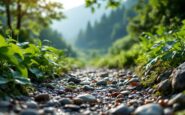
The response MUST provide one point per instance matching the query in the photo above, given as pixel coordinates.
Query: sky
(69, 4)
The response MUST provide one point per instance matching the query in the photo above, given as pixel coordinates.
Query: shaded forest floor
(93, 92)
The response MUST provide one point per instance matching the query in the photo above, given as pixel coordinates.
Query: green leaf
(3, 81)
(22, 81)
(37, 72)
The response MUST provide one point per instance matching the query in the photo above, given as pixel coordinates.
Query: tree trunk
(19, 16)
(8, 16)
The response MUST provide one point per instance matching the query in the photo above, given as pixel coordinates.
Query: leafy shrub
(161, 51)
(20, 62)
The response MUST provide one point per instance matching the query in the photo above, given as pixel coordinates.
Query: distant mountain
(77, 19)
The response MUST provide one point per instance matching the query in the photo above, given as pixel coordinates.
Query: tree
(30, 14)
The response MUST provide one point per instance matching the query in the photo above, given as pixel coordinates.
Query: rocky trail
(93, 92)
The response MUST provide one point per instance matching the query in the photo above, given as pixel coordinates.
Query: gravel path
(94, 92)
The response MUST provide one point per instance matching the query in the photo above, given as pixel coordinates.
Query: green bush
(22, 62)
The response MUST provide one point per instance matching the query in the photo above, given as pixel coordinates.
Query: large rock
(164, 75)
(178, 80)
(120, 110)
(149, 109)
(179, 98)
(164, 86)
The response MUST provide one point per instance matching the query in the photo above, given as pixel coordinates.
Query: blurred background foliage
(145, 35)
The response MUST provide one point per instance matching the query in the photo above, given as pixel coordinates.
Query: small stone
(65, 101)
(149, 109)
(103, 74)
(49, 111)
(53, 103)
(72, 107)
(77, 101)
(88, 88)
(42, 98)
(29, 112)
(102, 83)
(74, 80)
(32, 105)
(120, 110)
(126, 92)
(87, 98)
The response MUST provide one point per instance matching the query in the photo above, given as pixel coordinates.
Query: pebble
(32, 105)
(65, 101)
(74, 80)
(87, 98)
(87, 88)
(101, 83)
(42, 98)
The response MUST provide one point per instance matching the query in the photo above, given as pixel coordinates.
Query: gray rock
(53, 103)
(164, 76)
(49, 111)
(5, 106)
(29, 112)
(179, 98)
(164, 87)
(87, 98)
(104, 74)
(72, 107)
(88, 88)
(168, 111)
(65, 101)
(32, 105)
(74, 80)
(42, 98)
(178, 79)
(102, 83)
(120, 110)
(149, 109)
